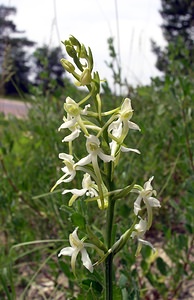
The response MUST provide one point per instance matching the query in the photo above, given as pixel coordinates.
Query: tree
(178, 30)
(48, 69)
(14, 67)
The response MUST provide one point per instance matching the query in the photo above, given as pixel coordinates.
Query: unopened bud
(74, 41)
(83, 52)
(85, 77)
(71, 51)
(67, 65)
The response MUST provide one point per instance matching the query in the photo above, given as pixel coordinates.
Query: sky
(132, 24)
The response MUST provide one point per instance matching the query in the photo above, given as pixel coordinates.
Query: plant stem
(109, 232)
(109, 277)
(109, 222)
(109, 259)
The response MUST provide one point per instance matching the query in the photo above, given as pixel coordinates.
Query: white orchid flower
(69, 169)
(123, 122)
(73, 126)
(140, 229)
(74, 112)
(114, 145)
(139, 232)
(94, 150)
(77, 246)
(145, 195)
(89, 188)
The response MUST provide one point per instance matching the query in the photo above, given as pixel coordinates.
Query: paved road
(13, 107)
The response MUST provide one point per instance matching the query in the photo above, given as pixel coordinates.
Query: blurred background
(132, 24)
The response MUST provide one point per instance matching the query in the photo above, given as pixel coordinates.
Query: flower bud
(74, 41)
(67, 65)
(83, 52)
(71, 51)
(85, 77)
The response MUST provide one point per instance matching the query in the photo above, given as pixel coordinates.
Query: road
(13, 107)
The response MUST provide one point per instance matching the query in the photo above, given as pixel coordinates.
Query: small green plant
(104, 133)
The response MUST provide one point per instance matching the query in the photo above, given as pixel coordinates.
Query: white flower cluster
(77, 121)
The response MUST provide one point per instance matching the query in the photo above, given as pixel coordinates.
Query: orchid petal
(68, 251)
(72, 136)
(153, 202)
(73, 259)
(86, 260)
(69, 179)
(132, 125)
(66, 156)
(73, 238)
(105, 157)
(147, 185)
(146, 243)
(125, 149)
(126, 105)
(137, 205)
(68, 124)
(75, 192)
(85, 160)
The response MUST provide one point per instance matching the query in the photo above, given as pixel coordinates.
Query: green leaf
(5, 287)
(162, 266)
(117, 293)
(151, 277)
(67, 209)
(78, 220)
(124, 210)
(189, 228)
(125, 295)
(124, 192)
(144, 266)
(122, 281)
(94, 284)
(66, 269)
(95, 240)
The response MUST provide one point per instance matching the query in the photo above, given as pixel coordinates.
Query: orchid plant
(104, 133)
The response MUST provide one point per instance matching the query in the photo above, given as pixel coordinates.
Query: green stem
(109, 277)
(109, 222)
(109, 259)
